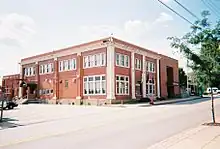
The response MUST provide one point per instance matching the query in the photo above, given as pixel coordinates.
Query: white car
(214, 90)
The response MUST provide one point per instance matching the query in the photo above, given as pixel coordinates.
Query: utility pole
(2, 105)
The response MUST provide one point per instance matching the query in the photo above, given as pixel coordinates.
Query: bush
(144, 100)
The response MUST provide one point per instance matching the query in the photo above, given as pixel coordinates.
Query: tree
(182, 78)
(201, 47)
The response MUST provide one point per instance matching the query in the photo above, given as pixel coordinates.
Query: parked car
(8, 104)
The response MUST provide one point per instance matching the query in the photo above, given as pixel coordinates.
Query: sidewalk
(202, 137)
(169, 101)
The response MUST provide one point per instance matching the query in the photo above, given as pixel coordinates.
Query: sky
(30, 27)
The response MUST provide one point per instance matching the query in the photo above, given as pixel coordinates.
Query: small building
(11, 85)
(102, 71)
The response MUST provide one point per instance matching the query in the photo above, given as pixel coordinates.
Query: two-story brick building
(100, 71)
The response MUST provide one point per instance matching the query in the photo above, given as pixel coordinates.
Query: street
(90, 127)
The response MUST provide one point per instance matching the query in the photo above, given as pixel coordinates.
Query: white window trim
(119, 65)
(50, 70)
(148, 66)
(94, 85)
(137, 60)
(154, 88)
(26, 71)
(99, 63)
(122, 81)
(63, 65)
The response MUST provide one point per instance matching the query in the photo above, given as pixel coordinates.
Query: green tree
(201, 47)
(182, 78)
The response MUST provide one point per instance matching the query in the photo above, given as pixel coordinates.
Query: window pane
(85, 79)
(117, 86)
(85, 88)
(85, 61)
(103, 59)
(126, 88)
(117, 59)
(103, 87)
(122, 78)
(97, 78)
(95, 59)
(126, 61)
(103, 77)
(122, 60)
(97, 87)
(126, 78)
(90, 78)
(117, 77)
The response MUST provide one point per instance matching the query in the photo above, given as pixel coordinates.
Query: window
(117, 59)
(29, 71)
(46, 68)
(96, 60)
(122, 85)
(138, 64)
(122, 60)
(150, 67)
(94, 85)
(66, 84)
(67, 65)
(150, 89)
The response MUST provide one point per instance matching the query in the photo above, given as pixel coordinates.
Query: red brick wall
(11, 82)
(164, 62)
(70, 76)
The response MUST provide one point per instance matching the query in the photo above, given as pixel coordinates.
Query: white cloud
(15, 29)
(164, 17)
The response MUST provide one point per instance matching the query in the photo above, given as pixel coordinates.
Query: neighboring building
(11, 85)
(192, 83)
(0, 81)
(105, 70)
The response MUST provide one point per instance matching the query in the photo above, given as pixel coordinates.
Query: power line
(214, 6)
(187, 10)
(176, 12)
(210, 7)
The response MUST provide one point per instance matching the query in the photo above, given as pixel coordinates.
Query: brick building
(100, 71)
(11, 85)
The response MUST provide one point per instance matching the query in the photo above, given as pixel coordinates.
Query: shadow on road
(8, 123)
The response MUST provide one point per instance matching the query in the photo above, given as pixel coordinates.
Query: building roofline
(12, 75)
(136, 46)
(64, 49)
(93, 42)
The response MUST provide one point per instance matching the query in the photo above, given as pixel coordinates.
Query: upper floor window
(96, 60)
(150, 67)
(122, 60)
(29, 71)
(67, 65)
(46, 68)
(138, 64)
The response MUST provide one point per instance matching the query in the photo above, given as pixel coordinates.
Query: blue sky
(29, 27)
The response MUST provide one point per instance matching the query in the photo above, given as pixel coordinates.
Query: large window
(94, 85)
(46, 68)
(150, 67)
(138, 64)
(122, 60)
(29, 71)
(150, 88)
(122, 85)
(67, 65)
(96, 60)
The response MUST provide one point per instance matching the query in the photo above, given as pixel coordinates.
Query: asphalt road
(67, 127)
